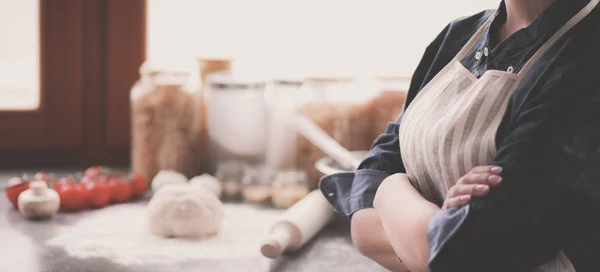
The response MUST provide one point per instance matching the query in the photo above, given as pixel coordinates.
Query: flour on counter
(120, 233)
(20, 258)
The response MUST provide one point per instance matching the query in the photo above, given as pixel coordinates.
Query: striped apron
(450, 127)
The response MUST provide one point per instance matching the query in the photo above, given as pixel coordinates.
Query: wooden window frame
(90, 53)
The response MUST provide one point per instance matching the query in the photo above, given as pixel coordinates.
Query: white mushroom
(39, 201)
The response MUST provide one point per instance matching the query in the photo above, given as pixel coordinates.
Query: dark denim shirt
(548, 145)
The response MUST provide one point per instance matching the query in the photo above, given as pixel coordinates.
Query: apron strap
(564, 29)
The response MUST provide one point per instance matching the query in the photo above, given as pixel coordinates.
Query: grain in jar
(340, 107)
(388, 104)
(166, 126)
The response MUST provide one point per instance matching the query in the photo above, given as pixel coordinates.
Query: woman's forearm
(405, 215)
(370, 239)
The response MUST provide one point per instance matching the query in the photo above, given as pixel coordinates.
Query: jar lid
(212, 63)
(230, 81)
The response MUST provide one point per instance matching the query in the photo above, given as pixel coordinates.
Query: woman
(494, 164)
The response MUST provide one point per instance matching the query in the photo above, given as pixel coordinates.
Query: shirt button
(478, 55)
(510, 69)
(486, 51)
(331, 194)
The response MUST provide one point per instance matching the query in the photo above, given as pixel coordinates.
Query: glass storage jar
(230, 174)
(236, 115)
(207, 65)
(256, 185)
(166, 122)
(388, 104)
(282, 99)
(340, 107)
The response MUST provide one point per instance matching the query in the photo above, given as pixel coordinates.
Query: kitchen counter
(24, 248)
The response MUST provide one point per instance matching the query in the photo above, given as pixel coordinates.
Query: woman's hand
(475, 183)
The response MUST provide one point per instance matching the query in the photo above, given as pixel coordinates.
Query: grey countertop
(23, 249)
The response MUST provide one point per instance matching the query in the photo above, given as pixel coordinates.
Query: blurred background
(70, 77)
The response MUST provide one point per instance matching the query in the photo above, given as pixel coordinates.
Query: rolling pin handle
(277, 242)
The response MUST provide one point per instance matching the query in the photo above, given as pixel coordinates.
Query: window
(66, 68)
(19, 55)
(311, 36)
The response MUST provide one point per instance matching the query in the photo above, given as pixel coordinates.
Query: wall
(378, 36)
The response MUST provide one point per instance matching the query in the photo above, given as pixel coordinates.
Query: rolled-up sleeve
(351, 191)
(550, 158)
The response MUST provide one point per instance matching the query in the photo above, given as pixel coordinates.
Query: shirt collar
(545, 25)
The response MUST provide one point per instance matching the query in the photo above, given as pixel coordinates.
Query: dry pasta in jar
(166, 118)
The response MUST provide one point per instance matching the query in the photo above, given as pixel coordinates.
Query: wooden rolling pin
(298, 225)
(306, 218)
(326, 143)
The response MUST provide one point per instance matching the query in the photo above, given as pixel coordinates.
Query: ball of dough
(185, 211)
(209, 182)
(167, 177)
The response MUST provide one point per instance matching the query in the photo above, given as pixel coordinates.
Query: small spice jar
(230, 174)
(256, 184)
(167, 127)
(288, 188)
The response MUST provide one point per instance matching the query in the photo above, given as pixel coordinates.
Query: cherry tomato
(109, 176)
(120, 190)
(139, 184)
(88, 179)
(94, 170)
(14, 181)
(72, 197)
(98, 194)
(57, 184)
(14, 187)
(68, 180)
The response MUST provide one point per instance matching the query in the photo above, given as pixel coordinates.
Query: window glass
(19, 55)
